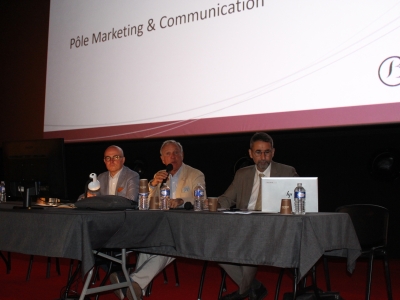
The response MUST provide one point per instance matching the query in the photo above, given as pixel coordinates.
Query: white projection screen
(128, 69)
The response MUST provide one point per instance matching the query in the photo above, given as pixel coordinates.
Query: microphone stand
(29, 191)
(87, 187)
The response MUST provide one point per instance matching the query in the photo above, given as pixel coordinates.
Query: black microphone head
(169, 168)
(188, 206)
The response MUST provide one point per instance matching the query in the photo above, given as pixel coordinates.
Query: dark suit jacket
(239, 191)
(127, 185)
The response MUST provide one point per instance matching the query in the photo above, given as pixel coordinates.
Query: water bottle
(164, 196)
(143, 194)
(299, 200)
(198, 197)
(2, 192)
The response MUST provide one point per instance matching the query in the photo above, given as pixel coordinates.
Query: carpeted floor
(13, 286)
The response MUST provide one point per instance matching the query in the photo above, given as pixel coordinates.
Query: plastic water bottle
(164, 196)
(143, 201)
(3, 197)
(299, 200)
(143, 194)
(198, 197)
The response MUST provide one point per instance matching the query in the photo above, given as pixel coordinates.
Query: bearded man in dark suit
(244, 194)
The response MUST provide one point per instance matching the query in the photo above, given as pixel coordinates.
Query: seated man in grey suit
(118, 180)
(182, 180)
(244, 194)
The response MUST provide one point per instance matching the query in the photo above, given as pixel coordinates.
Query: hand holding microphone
(162, 175)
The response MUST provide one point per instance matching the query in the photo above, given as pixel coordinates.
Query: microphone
(95, 184)
(168, 169)
(188, 206)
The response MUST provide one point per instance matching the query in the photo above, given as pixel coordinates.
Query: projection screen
(127, 69)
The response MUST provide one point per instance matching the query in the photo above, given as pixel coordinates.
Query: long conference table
(285, 241)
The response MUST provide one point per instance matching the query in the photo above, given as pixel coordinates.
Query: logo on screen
(389, 71)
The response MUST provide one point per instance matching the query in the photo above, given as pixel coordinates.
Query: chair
(222, 287)
(371, 225)
(7, 261)
(302, 285)
(150, 286)
(28, 274)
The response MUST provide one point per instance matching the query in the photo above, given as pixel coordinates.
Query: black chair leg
(7, 261)
(203, 274)
(295, 276)
(176, 273)
(327, 276)
(71, 266)
(387, 275)
(223, 277)
(303, 283)
(278, 284)
(48, 267)
(149, 287)
(165, 276)
(28, 275)
(96, 275)
(72, 278)
(222, 287)
(58, 266)
(314, 282)
(369, 276)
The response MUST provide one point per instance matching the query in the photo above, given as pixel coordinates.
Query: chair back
(370, 223)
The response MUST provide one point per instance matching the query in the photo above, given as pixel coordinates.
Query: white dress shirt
(112, 182)
(256, 186)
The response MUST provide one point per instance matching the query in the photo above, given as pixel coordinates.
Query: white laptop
(274, 189)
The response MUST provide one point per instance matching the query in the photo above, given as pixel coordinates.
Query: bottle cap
(143, 186)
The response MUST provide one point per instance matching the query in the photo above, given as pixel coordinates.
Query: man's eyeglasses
(258, 153)
(115, 157)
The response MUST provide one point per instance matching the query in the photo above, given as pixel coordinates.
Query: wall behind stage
(23, 68)
(340, 157)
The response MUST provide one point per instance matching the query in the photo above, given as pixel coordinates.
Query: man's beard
(262, 165)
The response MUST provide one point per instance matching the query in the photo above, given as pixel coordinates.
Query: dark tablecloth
(288, 241)
(74, 233)
(258, 239)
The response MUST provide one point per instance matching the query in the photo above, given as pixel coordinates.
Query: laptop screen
(274, 189)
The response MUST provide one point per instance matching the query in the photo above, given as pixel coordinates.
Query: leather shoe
(258, 293)
(114, 279)
(138, 292)
(236, 296)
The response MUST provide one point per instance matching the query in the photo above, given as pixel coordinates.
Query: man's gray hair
(171, 142)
